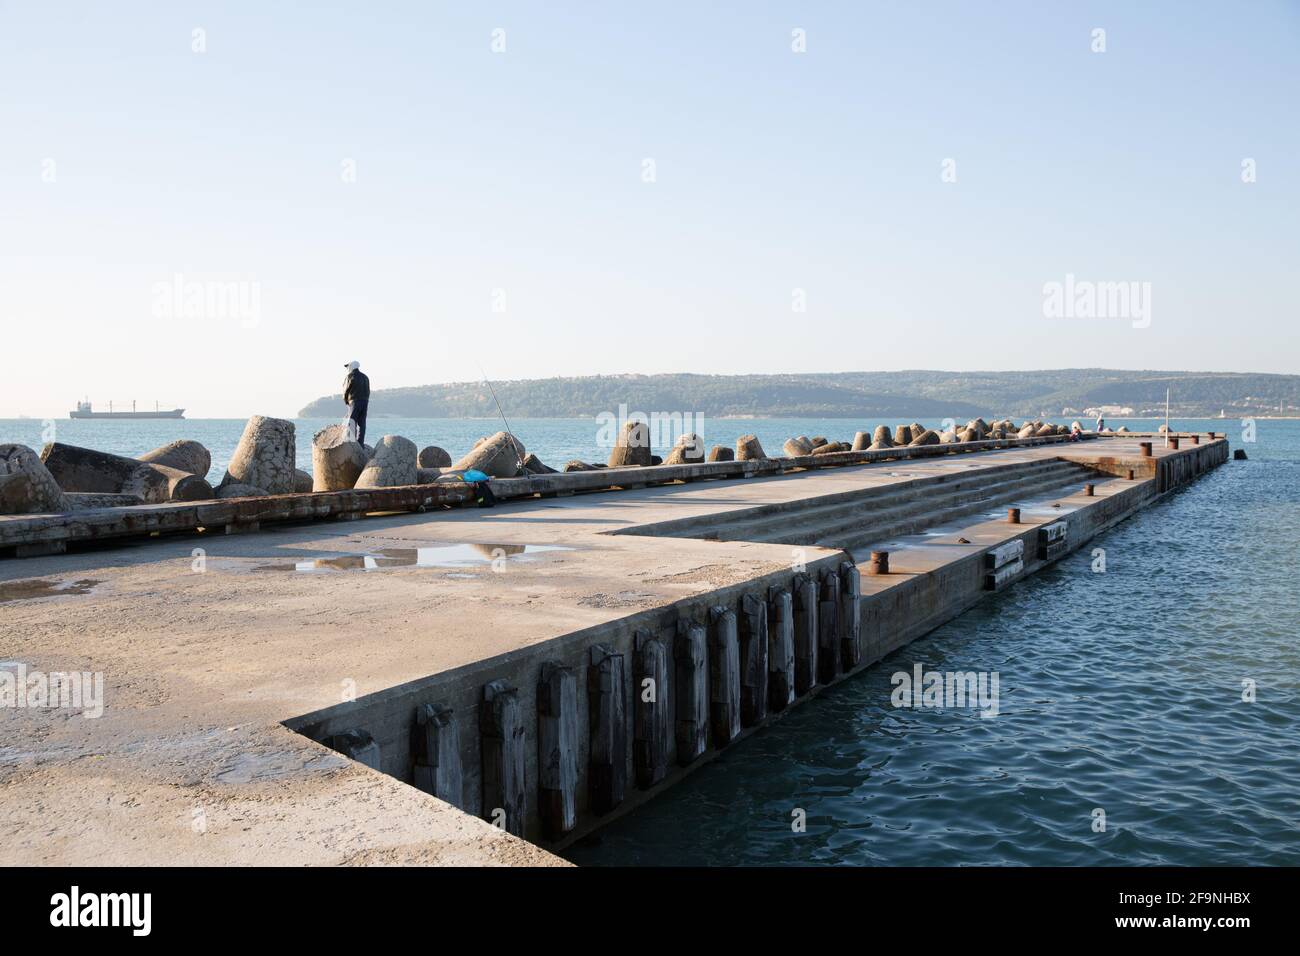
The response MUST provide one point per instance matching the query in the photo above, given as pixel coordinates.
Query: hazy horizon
(216, 208)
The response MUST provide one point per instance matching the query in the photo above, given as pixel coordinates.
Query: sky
(217, 205)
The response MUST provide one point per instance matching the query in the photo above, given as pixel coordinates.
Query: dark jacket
(356, 387)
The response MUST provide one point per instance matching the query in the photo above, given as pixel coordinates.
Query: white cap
(353, 365)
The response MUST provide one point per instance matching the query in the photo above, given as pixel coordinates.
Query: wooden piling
(651, 721)
(691, 689)
(607, 721)
(828, 626)
(780, 648)
(724, 676)
(438, 768)
(501, 736)
(753, 660)
(850, 615)
(557, 749)
(804, 595)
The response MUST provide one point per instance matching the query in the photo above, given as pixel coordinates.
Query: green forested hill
(924, 394)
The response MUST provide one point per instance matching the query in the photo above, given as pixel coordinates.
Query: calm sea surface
(1118, 691)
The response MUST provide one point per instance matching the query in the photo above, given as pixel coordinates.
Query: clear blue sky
(522, 171)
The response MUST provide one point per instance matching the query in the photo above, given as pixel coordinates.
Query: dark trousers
(358, 415)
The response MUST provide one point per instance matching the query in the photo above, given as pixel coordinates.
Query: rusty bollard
(1013, 516)
(1131, 475)
(1196, 439)
(1088, 490)
(1173, 443)
(1145, 448)
(879, 563)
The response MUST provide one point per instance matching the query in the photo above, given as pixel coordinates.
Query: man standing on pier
(356, 392)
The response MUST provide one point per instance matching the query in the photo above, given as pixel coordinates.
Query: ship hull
(171, 413)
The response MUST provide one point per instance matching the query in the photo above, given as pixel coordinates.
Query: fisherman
(1101, 424)
(356, 393)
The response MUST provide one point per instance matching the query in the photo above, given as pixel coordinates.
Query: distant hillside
(923, 394)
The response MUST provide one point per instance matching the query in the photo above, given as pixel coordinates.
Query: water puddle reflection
(29, 590)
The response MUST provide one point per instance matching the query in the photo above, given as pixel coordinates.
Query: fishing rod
(514, 442)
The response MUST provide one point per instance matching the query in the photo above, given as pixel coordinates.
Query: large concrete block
(264, 457)
(392, 465)
(26, 485)
(183, 455)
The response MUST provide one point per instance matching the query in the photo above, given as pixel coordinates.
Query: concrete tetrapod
(748, 448)
(632, 446)
(264, 457)
(26, 485)
(183, 455)
(797, 447)
(393, 464)
(84, 469)
(336, 463)
(434, 457)
(497, 456)
(688, 450)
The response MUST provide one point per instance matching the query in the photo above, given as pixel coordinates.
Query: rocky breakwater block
(264, 457)
(535, 466)
(1027, 430)
(497, 456)
(797, 447)
(721, 453)
(183, 455)
(861, 441)
(632, 446)
(576, 464)
(336, 463)
(903, 435)
(302, 482)
(1045, 431)
(393, 464)
(927, 437)
(748, 448)
(882, 438)
(26, 485)
(434, 457)
(830, 448)
(84, 469)
(688, 450)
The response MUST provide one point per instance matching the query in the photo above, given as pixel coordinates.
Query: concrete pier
(480, 686)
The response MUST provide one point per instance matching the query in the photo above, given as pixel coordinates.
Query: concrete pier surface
(299, 694)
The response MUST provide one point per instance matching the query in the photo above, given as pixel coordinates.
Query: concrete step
(846, 508)
(1005, 494)
(923, 510)
(906, 506)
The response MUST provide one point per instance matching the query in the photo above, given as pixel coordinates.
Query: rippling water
(1119, 690)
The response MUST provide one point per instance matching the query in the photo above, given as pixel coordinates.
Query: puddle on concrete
(36, 588)
(442, 556)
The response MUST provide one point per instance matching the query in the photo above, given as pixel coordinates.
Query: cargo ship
(83, 410)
